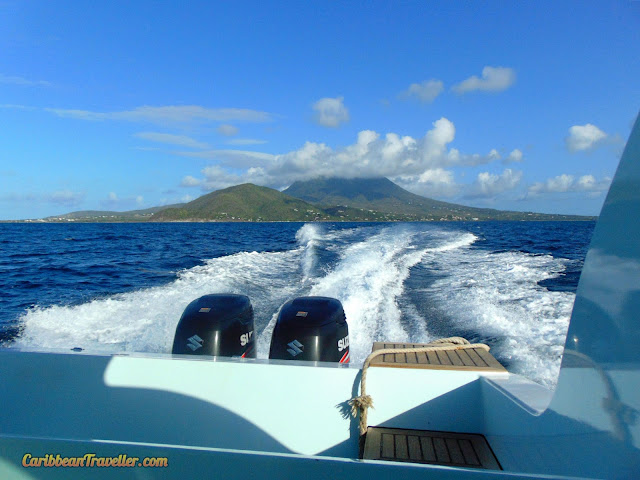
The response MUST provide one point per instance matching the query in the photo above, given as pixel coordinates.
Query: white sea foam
(498, 296)
(494, 295)
(369, 281)
(145, 320)
(309, 237)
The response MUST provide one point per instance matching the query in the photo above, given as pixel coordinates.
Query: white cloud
(561, 183)
(436, 182)
(372, 155)
(15, 80)
(489, 185)
(515, 156)
(436, 140)
(246, 141)
(455, 158)
(227, 130)
(426, 91)
(586, 183)
(216, 177)
(568, 183)
(437, 175)
(584, 137)
(494, 155)
(167, 115)
(494, 79)
(331, 112)
(190, 181)
(181, 140)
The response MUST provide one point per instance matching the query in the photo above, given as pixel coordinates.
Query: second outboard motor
(219, 324)
(311, 328)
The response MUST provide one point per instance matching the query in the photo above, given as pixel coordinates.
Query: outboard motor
(219, 324)
(311, 328)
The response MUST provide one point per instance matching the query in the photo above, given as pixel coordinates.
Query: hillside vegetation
(380, 198)
(246, 202)
(325, 199)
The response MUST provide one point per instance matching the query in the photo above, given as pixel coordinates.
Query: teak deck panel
(421, 446)
(467, 359)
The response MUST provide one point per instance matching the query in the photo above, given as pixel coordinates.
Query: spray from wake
(309, 237)
(369, 281)
(396, 283)
(497, 295)
(145, 320)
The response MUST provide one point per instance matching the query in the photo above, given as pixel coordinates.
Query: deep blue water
(122, 287)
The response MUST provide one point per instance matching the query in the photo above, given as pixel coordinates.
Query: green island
(324, 199)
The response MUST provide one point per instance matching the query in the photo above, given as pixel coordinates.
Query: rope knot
(359, 404)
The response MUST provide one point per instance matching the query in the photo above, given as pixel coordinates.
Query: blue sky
(123, 105)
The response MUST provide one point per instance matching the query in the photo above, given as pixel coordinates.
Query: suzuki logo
(295, 348)
(194, 343)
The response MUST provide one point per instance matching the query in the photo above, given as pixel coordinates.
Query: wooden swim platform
(477, 359)
(453, 449)
(437, 448)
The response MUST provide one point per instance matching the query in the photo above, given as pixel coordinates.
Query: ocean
(122, 287)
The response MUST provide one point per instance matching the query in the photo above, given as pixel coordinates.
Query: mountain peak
(329, 189)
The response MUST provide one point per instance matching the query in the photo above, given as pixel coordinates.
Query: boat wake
(397, 283)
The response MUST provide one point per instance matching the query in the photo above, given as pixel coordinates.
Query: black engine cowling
(219, 325)
(311, 328)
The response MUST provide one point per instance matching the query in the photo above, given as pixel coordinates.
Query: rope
(360, 404)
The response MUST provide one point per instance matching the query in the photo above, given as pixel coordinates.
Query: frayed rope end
(359, 404)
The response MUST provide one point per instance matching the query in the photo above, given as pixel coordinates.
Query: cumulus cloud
(216, 177)
(25, 82)
(181, 140)
(584, 137)
(424, 161)
(455, 158)
(494, 155)
(168, 115)
(426, 91)
(436, 182)
(227, 130)
(489, 185)
(494, 79)
(568, 183)
(190, 181)
(515, 156)
(331, 112)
